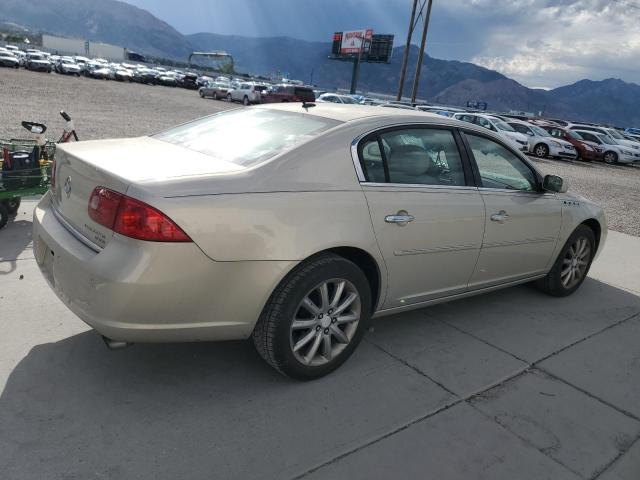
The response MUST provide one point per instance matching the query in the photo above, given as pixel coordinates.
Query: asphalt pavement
(510, 385)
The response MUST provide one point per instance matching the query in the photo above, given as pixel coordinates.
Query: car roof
(351, 112)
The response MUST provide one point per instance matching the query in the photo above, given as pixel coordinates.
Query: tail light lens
(132, 218)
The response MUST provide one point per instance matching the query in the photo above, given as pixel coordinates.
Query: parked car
(168, 79)
(189, 81)
(610, 132)
(217, 90)
(122, 74)
(612, 152)
(68, 67)
(587, 151)
(247, 93)
(295, 238)
(9, 60)
(335, 98)
(543, 145)
(37, 62)
(498, 126)
(98, 71)
(289, 93)
(146, 75)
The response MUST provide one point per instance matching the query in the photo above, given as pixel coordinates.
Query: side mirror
(554, 183)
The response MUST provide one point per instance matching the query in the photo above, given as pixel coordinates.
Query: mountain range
(443, 81)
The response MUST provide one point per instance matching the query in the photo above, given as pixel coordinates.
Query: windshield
(503, 126)
(574, 135)
(247, 137)
(539, 131)
(607, 139)
(615, 134)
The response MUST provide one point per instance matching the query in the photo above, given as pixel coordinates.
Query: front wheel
(541, 150)
(201, 94)
(229, 99)
(4, 214)
(315, 318)
(572, 265)
(245, 101)
(610, 158)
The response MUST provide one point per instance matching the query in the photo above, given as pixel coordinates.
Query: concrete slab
(607, 366)
(15, 238)
(73, 409)
(625, 468)
(457, 444)
(614, 266)
(532, 325)
(578, 431)
(456, 360)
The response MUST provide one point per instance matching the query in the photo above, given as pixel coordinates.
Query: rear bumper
(136, 291)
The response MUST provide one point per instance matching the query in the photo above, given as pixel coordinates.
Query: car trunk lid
(116, 164)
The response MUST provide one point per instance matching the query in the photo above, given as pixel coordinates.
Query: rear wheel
(572, 265)
(245, 101)
(610, 158)
(315, 318)
(229, 99)
(541, 150)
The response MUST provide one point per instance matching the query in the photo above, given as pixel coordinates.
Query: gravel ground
(107, 109)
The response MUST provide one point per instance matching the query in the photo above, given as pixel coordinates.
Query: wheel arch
(595, 227)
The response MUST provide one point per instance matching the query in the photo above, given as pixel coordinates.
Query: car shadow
(15, 238)
(74, 409)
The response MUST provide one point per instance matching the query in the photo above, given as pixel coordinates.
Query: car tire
(541, 150)
(319, 343)
(201, 94)
(229, 99)
(245, 101)
(610, 158)
(12, 205)
(572, 265)
(4, 214)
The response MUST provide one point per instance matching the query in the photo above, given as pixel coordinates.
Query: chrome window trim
(532, 193)
(418, 185)
(356, 159)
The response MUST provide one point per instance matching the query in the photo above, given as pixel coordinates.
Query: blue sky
(540, 43)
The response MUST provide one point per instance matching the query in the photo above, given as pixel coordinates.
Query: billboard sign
(355, 41)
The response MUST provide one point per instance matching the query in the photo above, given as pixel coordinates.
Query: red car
(289, 93)
(586, 151)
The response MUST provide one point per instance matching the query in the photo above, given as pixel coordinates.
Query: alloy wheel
(609, 157)
(325, 322)
(575, 263)
(541, 151)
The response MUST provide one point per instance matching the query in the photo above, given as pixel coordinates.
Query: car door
(427, 216)
(522, 222)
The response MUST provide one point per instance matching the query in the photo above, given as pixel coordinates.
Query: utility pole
(425, 28)
(405, 57)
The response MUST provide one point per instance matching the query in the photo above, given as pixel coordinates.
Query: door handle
(401, 218)
(500, 217)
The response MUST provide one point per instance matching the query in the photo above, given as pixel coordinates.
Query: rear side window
(422, 156)
(247, 136)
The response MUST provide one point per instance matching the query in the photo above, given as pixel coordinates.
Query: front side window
(421, 156)
(483, 122)
(499, 167)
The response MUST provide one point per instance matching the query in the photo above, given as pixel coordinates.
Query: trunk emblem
(67, 187)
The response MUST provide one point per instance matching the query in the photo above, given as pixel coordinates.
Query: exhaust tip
(114, 344)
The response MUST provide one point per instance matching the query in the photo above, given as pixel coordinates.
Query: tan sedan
(294, 226)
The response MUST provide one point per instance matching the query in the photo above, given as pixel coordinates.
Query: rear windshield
(247, 136)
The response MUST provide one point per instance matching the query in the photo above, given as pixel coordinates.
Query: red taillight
(132, 218)
(104, 205)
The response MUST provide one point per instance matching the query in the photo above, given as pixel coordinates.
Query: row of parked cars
(239, 90)
(99, 68)
(543, 138)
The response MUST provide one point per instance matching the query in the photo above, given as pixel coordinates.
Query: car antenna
(306, 105)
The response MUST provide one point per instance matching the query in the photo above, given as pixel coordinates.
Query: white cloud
(549, 43)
